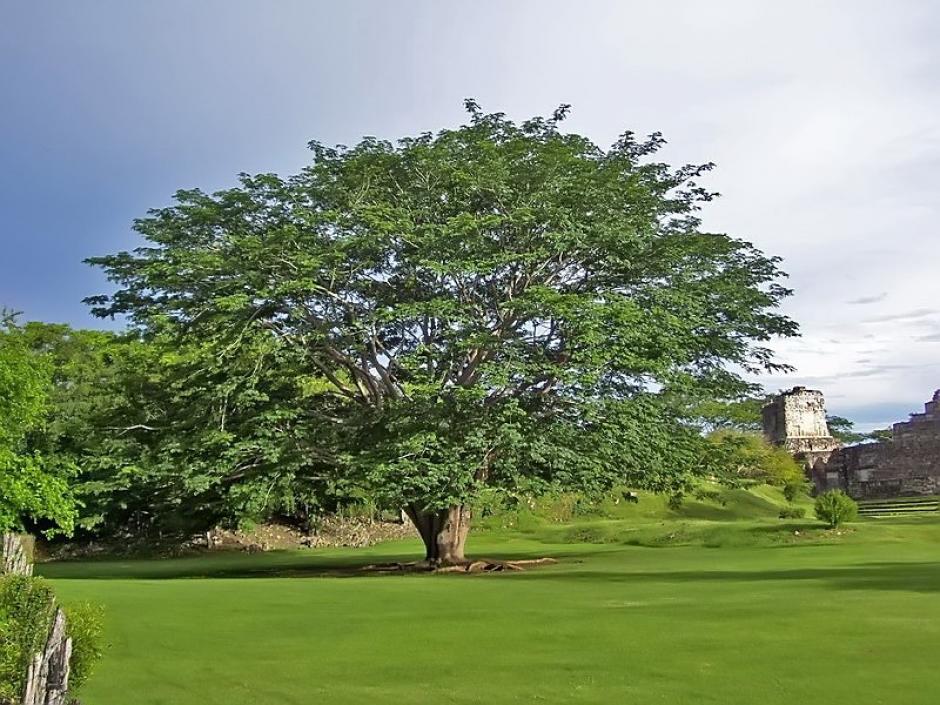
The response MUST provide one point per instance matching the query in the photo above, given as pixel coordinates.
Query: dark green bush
(835, 508)
(792, 513)
(27, 606)
(793, 489)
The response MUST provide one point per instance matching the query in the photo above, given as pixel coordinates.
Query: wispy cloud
(863, 300)
(913, 315)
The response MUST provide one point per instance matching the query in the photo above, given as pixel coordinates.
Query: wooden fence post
(47, 677)
(14, 559)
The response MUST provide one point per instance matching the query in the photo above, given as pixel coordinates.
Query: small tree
(835, 508)
(740, 455)
(498, 305)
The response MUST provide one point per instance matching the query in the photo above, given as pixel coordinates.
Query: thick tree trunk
(444, 533)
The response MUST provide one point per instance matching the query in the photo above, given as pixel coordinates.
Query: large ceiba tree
(499, 305)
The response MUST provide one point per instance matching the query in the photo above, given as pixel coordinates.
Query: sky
(823, 118)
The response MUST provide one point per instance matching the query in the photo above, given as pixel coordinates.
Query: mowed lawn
(855, 620)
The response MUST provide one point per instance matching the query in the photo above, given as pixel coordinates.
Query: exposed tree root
(479, 566)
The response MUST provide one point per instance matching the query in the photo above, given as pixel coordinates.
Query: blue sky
(822, 117)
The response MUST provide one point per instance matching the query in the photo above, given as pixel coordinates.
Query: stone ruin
(796, 420)
(908, 464)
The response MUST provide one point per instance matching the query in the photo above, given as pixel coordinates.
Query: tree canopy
(170, 436)
(499, 304)
(32, 486)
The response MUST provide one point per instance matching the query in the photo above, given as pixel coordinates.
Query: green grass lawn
(722, 612)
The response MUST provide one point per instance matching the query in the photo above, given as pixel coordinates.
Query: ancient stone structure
(47, 677)
(907, 464)
(796, 420)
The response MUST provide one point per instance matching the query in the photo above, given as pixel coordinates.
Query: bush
(792, 490)
(737, 456)
(835, 508)
(27, 606)
(792, 513)
(85, 622)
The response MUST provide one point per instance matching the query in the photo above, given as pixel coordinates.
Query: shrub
(675, 502)
(835, 508)
(792, 490)
(27, 606)
(85, 622)
(737, 456)
(792, 513)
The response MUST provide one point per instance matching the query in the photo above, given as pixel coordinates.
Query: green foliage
(174, 436)
(740, 414)
(85, 624)
(32, 485)
(27, 606)
(843, 429)
(835, 508)
(24, 381)
(793, 488)
(675, 501)
(35, 487)
(736, 456)
(881, 434)
(792, 512)
(490, 306)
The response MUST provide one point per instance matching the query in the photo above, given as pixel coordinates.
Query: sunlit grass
(724, 612)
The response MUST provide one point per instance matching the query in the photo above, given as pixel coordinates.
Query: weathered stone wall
(908, 464)
(796, 420)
